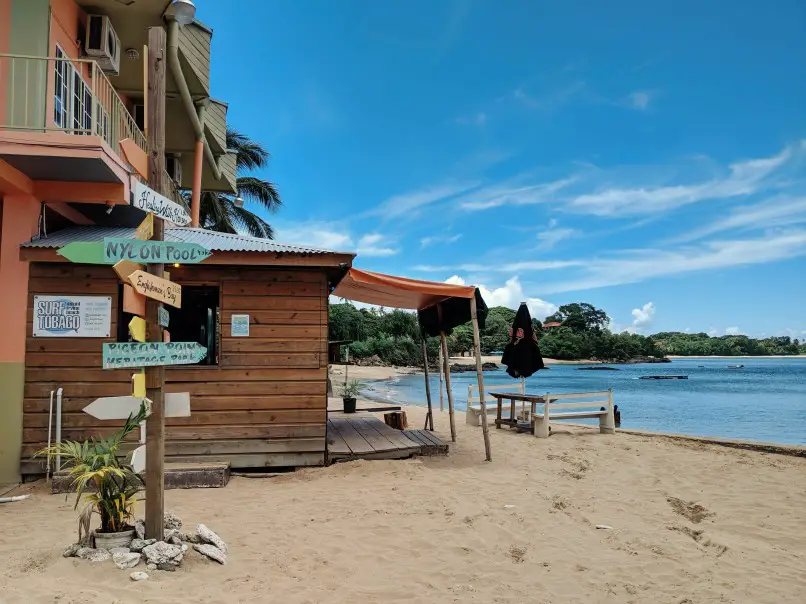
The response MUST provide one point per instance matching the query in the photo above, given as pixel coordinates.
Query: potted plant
(349, 392)
(98, 465)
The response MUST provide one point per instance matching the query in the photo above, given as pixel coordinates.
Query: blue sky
(648, 158)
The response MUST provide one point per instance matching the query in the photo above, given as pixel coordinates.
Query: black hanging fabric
(455, 312)
(522, 355)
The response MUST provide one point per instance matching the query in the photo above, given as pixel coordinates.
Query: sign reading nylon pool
(145, 252)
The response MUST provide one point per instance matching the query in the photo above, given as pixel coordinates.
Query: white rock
(151, 567)
(604, 527)
(171, 521)
(161, 553)
(184, 547)
(119, 550)
(212, 552)
(169, 534)
(138, 544)
(98, 555)
(139, 576)
(71, 550)
(140, 529)
(210, 537)
(175, 540)
(124, 561)
(191, 537)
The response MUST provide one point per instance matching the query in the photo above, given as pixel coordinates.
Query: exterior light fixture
(176, 265)
(181, 11)
(238, 201)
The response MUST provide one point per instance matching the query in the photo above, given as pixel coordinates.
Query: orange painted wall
(20, 221)
(67, 22)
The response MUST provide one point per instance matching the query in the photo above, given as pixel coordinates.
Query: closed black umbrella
(522, 355)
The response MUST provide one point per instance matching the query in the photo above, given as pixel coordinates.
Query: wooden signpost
(146, 228)
(84, 252)
(147, 199)
(151, 354)
(156, 288)
(145, 252)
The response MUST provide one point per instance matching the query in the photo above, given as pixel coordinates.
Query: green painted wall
(30, 35)
(12, 377)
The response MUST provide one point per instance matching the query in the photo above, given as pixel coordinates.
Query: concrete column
(20, 214)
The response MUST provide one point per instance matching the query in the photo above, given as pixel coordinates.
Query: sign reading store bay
(151, 354)
(144, 252)
(72, 316)
(147, 199)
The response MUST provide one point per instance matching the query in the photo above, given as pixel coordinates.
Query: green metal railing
(60, 94)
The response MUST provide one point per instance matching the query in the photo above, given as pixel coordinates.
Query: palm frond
(259, 191)
(250, 155)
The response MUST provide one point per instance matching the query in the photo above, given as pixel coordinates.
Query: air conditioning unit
(102, 43)
(173, 165)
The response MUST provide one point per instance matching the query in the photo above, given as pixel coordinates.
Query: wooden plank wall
(265, 404)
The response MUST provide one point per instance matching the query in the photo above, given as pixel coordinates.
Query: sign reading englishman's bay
(155, 252)
(147, 199)
(151, 354)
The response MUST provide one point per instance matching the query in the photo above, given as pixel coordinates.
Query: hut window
(196, 321)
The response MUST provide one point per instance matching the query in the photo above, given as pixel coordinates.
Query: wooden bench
(473, 414)
(603, 401)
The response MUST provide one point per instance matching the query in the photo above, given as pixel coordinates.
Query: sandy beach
(690, 523)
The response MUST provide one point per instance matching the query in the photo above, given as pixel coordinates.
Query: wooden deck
(364, 436)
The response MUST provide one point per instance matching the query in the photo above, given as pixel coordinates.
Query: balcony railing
(60, 94)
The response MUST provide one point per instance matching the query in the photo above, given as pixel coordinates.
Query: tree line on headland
(393, 337)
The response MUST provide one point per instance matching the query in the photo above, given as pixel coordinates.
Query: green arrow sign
(144, 252)
(150, 354)
(85, 252)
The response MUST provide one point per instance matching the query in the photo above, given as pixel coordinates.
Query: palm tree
(220, 212)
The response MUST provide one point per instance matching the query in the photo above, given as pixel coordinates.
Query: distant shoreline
(746, 356)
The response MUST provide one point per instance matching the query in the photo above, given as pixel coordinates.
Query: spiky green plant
(99, 462)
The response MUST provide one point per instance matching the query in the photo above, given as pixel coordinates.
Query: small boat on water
(663, 377)
(735, 366)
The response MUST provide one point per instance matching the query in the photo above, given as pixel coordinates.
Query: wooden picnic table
(514, 397)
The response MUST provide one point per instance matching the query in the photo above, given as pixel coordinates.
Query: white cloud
(409, 204)
(732, 331)
(640, 265)
(552, 236)
(743, 178)
(375, 245)
(779, 211)
(323, 235)
(512, 194)
(477, 119)
(643, 317)
(510, 295)
(428, 241)
(640, 99)
(512, 267)
(713, 332)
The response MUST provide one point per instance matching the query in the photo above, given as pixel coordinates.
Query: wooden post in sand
(480, 376)
(430, 417)
(447, 369)
(441, 404)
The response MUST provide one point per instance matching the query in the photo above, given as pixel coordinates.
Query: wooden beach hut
(259, 397)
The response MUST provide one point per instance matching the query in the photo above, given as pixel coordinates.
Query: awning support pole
(480, 377)
(441, 403)
(447, 369)
(430, 417)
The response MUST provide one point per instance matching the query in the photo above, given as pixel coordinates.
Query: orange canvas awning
(397, 292)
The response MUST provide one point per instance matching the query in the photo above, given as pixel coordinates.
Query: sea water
(763, 401)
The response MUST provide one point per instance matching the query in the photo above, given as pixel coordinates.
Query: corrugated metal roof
(211, 240)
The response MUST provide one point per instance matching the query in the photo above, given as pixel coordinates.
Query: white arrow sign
(139, 459)
(177, 404)
(149, 200)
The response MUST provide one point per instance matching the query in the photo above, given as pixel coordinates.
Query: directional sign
(124, 268)
(164, 316)
(151, 354)
(144, 252)
(146, 198)
(139, 459)
(84, 252)
(146, 228)
(137, 329)
(133, 303)
(139, 384)
(120, 407)
(157, 288)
